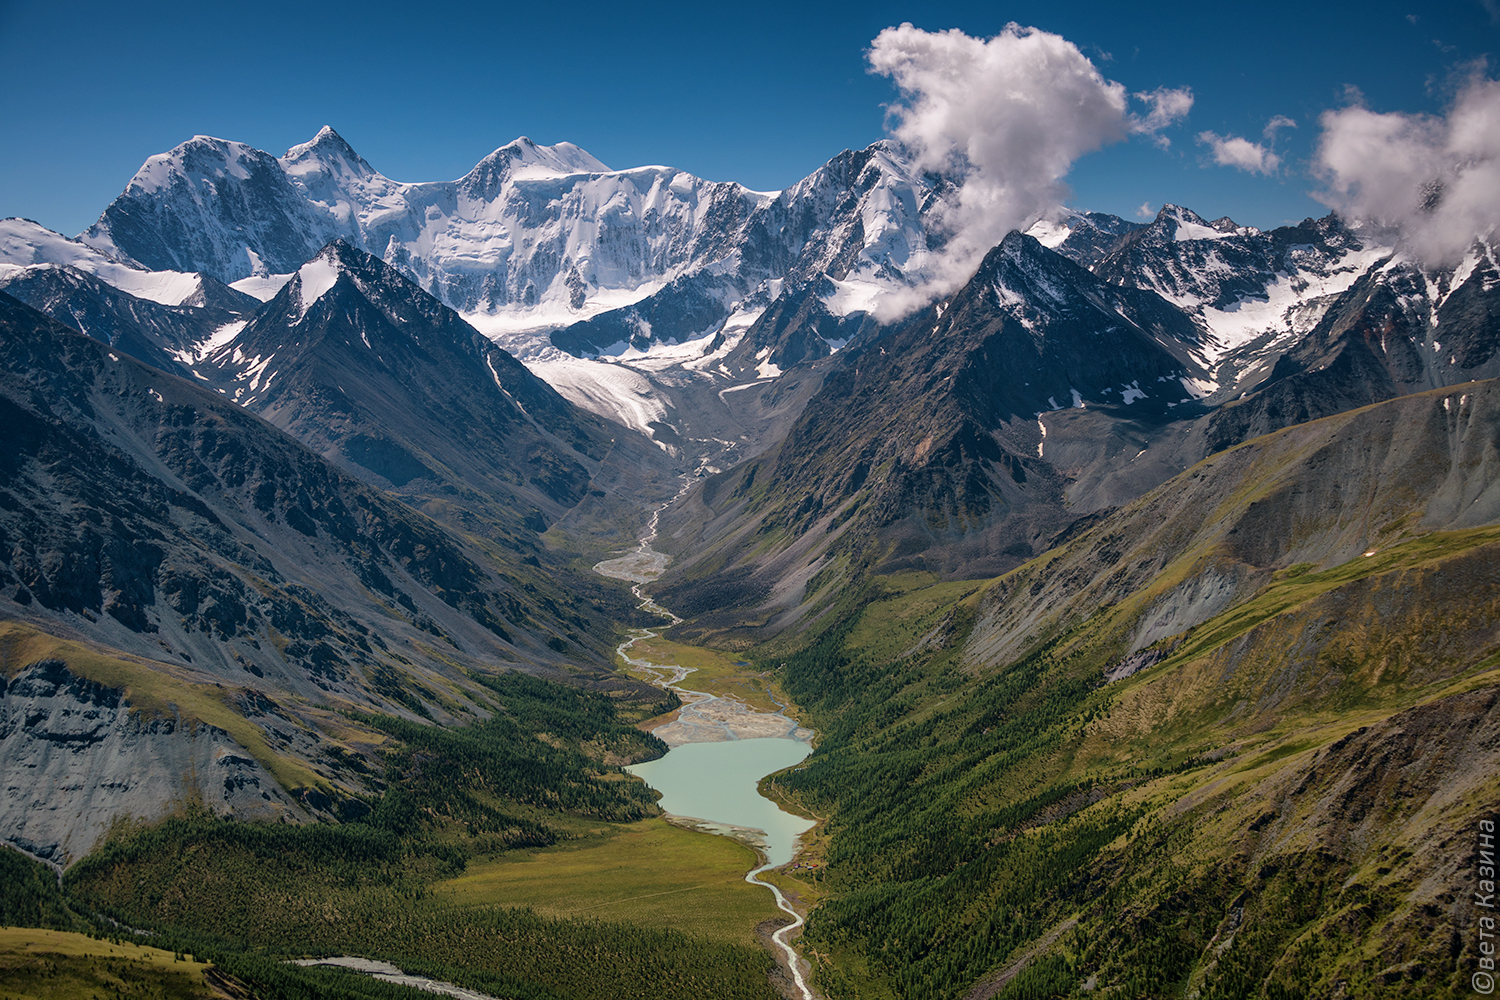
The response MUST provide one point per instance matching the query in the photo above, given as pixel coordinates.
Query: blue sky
(761, 94)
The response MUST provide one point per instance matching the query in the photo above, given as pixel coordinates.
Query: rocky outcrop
(75, 759)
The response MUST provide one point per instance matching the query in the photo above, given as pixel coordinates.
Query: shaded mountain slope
(925, 448)
(161, 540)
(169, 337)
(365, 368)
(126, 451)
(963, 425)
(798, 328)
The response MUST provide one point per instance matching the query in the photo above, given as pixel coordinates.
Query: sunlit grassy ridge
(60, 965)
(972, 814)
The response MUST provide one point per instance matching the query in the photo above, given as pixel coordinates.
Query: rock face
(152, 526)
(77, 760)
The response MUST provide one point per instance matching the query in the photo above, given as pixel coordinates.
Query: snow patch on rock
(315, 278)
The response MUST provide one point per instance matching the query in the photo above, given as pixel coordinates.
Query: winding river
(720, 749)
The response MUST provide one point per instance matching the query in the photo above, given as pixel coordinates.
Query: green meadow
(650, 873)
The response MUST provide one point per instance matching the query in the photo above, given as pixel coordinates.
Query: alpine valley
(1143, 590)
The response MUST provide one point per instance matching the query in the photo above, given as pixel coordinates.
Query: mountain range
(1172, 529)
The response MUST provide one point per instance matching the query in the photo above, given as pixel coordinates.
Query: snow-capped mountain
(562, 261)
(671, 304)
(534, 238)
(1251, 293)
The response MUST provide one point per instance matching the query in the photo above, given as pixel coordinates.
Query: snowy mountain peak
(201, 158)
(327, 152)
(317, 277)
(524, 156)
(327, 138)
(1174, 222)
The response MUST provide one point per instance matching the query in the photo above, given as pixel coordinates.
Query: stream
(720, 749)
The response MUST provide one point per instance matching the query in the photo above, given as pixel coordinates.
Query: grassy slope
(1256, 763)
(1279, 806)
(60, 965)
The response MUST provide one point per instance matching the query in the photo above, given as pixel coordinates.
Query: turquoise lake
(717, 782)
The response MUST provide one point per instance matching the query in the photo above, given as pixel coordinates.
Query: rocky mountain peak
(372, 280)
(317, 276)
(1176, 223)
(1025, 275)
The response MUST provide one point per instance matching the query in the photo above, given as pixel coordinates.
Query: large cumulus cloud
(1006, 116)
(1436, 178)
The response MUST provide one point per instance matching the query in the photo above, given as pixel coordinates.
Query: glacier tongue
(615, 391)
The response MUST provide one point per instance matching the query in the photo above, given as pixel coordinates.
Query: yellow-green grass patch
(890, 627)
(651, 874)
(58, 965)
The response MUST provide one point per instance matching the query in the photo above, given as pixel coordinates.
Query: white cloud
(1145, 211)
(1007, 117)
(1276, 124)
(1437, 178)
(1168, 107)
(1234, 151)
